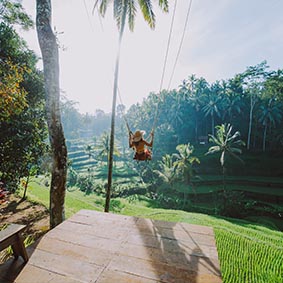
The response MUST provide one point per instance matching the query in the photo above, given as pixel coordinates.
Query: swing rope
(164, 65)
(162, 77)
(168, 46)
(181, 43)
(124, 116)
(177, 57)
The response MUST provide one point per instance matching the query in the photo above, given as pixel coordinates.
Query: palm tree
(193, 90)
(232, 98)
(49, 50)
(184, 167)
(104, 148)
(253, 81)
(184, 88)
(184, 161)
(165, 179)
(88, 150)
(231, 105)
(269, 115)
(274, 84)
(167, 170)
(226, 143)
(200, 89)
(211, 108)
(122, 9)
(175, 113)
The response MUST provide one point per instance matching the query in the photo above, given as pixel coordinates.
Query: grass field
(247, 252)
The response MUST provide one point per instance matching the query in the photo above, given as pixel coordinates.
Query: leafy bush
(116, 205)
(85, 183)
(235, 204)
(72, 177)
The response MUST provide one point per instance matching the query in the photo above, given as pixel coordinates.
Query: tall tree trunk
(212, 123)
(196, 128)
(264, 138)
(224, 178)
(224, 188)
(26, 186)
(252, 103)
(49, 50)
(255, 135)
(112, 133)
(230, 118)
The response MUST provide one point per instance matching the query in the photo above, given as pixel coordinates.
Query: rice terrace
(144, 145)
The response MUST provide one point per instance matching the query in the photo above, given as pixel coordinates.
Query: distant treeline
(252, 102)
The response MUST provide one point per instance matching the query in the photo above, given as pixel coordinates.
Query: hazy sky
(223, 37)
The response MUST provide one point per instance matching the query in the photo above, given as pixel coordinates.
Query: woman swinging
(137, 142)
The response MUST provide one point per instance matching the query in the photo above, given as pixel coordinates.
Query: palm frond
(235, 150)
(239, 143)
(164, 5)
(194, 160)
(235, 135)
(215, 140)
(167, 161)
(176, 155)
(228, 130)
(131, 14)
(166, 174)
(94, 6)
(146, 8)
(213, 149)
(236, 157)
(103, 7)
(118, 8)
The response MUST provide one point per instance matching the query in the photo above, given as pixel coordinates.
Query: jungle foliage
(250, 101)
(22, 118)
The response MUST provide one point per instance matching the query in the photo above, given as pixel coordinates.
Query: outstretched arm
(150, 144)
(131, 136)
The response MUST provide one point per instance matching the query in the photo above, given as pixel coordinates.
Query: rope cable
(177, 57)
(165, 59)
(124, 116)
(164, 65)
(168, 46)
(181, 43)
(92, 28)
(89, 19)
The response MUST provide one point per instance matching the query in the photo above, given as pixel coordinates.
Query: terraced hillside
(82, 154)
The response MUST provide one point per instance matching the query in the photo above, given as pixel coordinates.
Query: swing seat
(146, 155)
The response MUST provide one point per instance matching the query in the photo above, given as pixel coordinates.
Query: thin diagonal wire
(168, 46)
(124, 116)
(164, 65)
(89, 19)
(181, 43)
(177, 57)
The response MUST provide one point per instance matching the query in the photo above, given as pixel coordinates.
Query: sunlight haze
(222, 39)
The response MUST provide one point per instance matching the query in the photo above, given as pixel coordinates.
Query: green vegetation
(22, 118)
(178, 181)
(181, 181)
(247, 252)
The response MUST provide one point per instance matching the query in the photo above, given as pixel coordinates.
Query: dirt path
(34, 216)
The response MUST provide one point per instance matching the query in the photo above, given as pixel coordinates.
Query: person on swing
(137, 142)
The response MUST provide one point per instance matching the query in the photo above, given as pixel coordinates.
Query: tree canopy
(22, 121)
